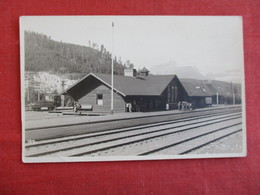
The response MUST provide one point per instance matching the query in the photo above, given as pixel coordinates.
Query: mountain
(44, 54)
(182, 71)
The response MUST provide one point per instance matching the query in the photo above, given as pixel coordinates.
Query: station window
(100, 99)
(176, 94)
(172, 94)
(169, 94)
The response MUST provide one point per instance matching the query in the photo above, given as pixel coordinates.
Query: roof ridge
(126, 85)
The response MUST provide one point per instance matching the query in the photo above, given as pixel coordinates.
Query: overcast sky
(212, 44)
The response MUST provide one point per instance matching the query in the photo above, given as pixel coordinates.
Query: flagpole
(112, 72)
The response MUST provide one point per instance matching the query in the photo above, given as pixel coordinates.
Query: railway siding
(38, 134)
(179, 135)
(124, 134)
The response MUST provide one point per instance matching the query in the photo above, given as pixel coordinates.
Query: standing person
(179, 105)
(129, 107)
(183, 106)
(137, 108)
(76, 108)
(188, 106)
(191, 106)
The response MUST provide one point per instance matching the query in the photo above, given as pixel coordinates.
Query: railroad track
(43, 133)
(170, 137)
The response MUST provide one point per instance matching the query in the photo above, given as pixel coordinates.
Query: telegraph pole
(62, 69)
(112, 72)
(217, 98)
(28, 92)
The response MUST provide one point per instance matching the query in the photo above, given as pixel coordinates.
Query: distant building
(204, 93)
(228, 93)
(199, 94)
(132, 92)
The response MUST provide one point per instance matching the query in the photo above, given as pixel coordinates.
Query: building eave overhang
(90, 74)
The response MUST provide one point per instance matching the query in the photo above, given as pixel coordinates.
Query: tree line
(44, 54)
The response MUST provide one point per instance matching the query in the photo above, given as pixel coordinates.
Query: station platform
(35, 120)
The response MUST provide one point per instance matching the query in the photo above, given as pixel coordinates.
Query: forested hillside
(44, 54)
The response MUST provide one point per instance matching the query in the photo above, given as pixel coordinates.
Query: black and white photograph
(105, 88)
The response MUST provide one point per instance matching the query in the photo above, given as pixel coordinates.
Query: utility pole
(217, 98)
(38, 95)
(28, 92)
(62, 69)
(112, 72)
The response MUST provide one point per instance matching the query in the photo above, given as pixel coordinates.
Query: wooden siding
(145, 103)
(86, 93)
(91, 99)
(173, 93)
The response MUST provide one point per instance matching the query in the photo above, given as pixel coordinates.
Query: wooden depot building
(199, 93)
(132, 92)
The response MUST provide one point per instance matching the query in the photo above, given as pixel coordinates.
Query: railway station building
(144, 92)
(199, 94)
(132, 92)
(203, 93)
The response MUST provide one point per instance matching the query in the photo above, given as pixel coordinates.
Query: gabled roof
(210, 87)
(196, 88)
(144, 70)
(152, 85)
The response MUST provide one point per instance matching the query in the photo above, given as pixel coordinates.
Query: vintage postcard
(103, 88)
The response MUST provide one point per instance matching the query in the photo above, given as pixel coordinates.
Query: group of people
(132, 107)
(135, 108)
(185, 106)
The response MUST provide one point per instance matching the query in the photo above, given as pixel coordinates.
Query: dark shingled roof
(211, 87)
(152, 85)
(196, 88)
